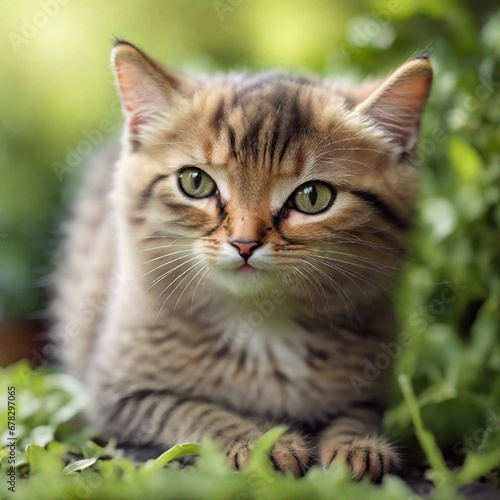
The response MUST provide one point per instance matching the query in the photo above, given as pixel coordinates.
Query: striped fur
(174, 341)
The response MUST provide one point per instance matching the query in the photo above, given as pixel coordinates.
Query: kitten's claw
(370, 457)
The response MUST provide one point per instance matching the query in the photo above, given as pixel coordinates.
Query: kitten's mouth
(247, 268)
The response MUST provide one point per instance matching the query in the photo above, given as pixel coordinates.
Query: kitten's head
(256, 180)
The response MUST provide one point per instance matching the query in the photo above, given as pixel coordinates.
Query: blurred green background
(58, 101)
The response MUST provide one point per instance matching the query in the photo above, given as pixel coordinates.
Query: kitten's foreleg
(149, 419)
(354, 439)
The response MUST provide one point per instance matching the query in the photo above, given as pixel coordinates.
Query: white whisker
(187, 250)
(345, 297)
(344, 273)
(163, 265)
(157, 280)
(185, 274)
(187, 286)
(207, 267)
(303, 280)
(373, 265)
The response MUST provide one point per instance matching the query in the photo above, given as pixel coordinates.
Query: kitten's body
(175, 339)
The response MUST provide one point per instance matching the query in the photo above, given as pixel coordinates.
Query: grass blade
(425, 438)
(177, 451)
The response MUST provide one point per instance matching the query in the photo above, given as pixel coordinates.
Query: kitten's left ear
(148, 91)
(397, 105)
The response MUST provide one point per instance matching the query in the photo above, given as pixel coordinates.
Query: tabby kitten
(233, 271)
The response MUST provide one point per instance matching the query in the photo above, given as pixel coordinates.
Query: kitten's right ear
(148, 91)
(396, 106)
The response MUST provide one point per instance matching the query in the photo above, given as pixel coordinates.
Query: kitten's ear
(148, 91)
(397, 105)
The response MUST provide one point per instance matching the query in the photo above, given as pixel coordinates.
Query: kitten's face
(267, 181)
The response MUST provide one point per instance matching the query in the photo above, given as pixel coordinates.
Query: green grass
(58, 458)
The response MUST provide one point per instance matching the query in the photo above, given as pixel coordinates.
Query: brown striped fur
(173, 341)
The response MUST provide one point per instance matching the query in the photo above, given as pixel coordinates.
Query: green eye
(313, 198)
(195, 183)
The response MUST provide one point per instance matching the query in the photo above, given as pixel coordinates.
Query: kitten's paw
(290, 454)
(370, 457)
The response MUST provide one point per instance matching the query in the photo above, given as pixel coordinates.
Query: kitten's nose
(245, 247)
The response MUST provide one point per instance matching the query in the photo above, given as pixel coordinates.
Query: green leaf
(42, 435)
(212, 460)
(36, 457)
(177, 451)
(68, 411)
(58, 449)
(108, 469)
(476, 465)
(79, 465)
(93, 450)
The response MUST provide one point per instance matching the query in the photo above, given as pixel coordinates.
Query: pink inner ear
(127, 81)
(140, 92)
(412, 94)
(398, 109)
(126, 84)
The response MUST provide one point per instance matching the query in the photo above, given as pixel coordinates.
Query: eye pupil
(313, 194)
(196, 178)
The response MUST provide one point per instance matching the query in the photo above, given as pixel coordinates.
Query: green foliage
(70, 466)
(58, 91)
(67, 464)
(475, 466)
(450, 297)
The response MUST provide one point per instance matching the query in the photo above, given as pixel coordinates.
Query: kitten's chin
(246, 281)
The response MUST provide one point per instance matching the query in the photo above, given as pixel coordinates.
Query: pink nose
(245, 247)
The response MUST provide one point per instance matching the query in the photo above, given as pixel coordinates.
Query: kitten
(234, 270)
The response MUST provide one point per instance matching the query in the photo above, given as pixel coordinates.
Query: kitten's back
(86, 262)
